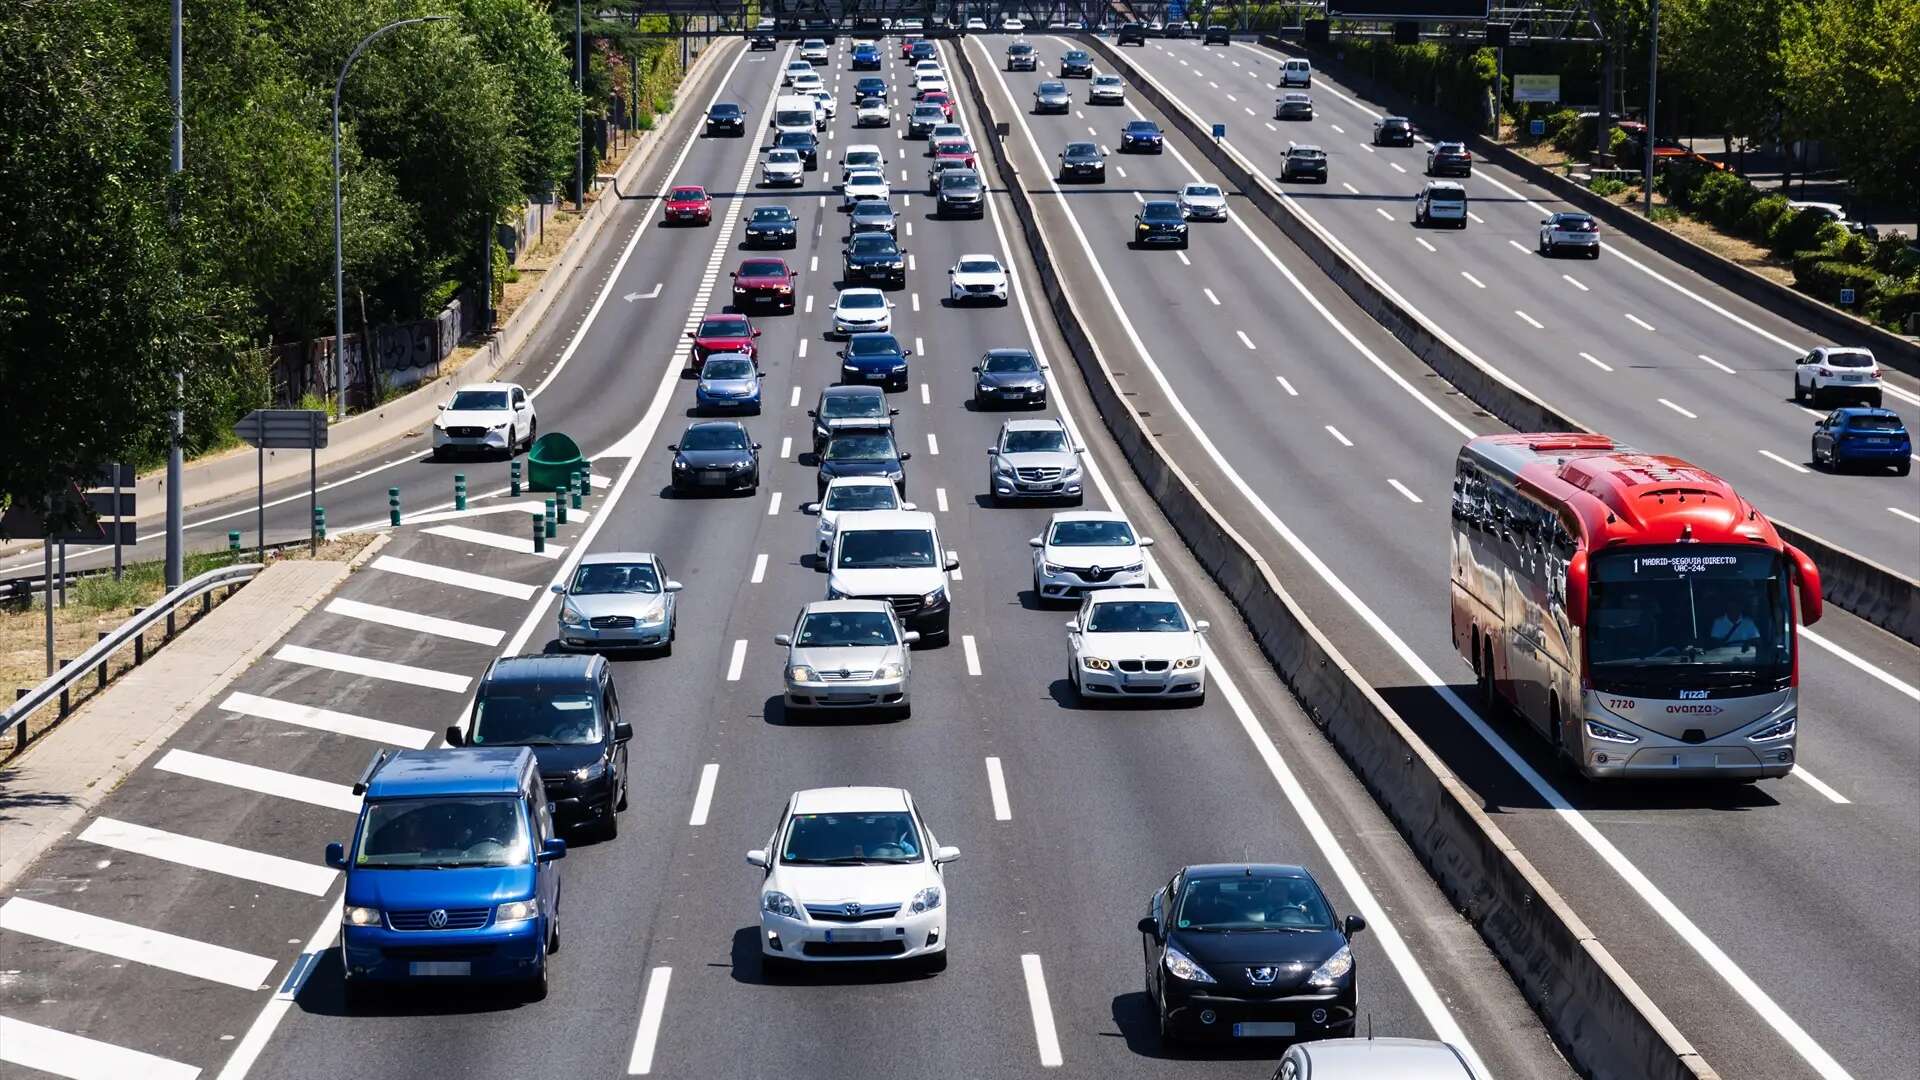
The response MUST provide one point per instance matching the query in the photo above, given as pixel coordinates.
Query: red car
(763, 281)
(940, 98)
(689, 203)
(954, 152)
(906, 46)
(721, 334)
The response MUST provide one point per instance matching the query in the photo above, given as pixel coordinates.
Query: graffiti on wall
(403, 355)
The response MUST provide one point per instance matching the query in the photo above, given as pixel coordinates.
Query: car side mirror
(557, 589)
(756, 332)
(1353, 925)
(733, 273)
(622, 731)
(1546, 221)
(1145, 541)
(911, 637)
(456, 737)
(674, 586)
(1201, 626)
(814, 413)
(443, 405)
(756, 446)
(893, 412)
(992, 450)
(554, 848)
(783, 639)
(1034, 542)
(810, 508)
(1073, 624)
(337, 855)
(1149, 926)
(674, 446)
(689, 334)
(906, 455)
(757, 858)
(953, 561)
(945, 853)
(1078, 449)
(909, 507)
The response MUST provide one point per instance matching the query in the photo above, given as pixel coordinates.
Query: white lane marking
(80, 1058)
(773, 505)
(1382, 211)
(1351, 190)
(737, 661)
(809, 310)
(1248, 110)
(911, 264)
(154, 948)
(926, 395)
(1477, 219)
(1141, 199)
(1404, 490)
(1716, 363)
(1210, 297)
(367, 667)
(1287, 386)
(1910, 517)
(915, 298)
(1689, 414)
(1044, 1033)
(1244, 339)
(759, 569)
(1342, 439)
(1121, 170)
(1184, 261)
(786, 447)
(1337, 129)
(1422, 241)
(235, 862)
(813, 264)
(1397, 167)
(909, 230)
(1477, 283)
(1897, 684)
(793, 399)
(1270, 126)
(1820, 785)
(703, 794)
(801, 352)
(955, 574)
(1575, 282)
(459, 579)
(1794, 465)
(1519, 247)
(1528, 319)
(1233, 99)
(263, 781)
(973, 654)
(309, 716)
(1368, 148)
(1596, 361)
(940, 499)
(997, 790)
(933, 443)
(412, 620)
(919, 346)
(640, 1063)
(1638, 321)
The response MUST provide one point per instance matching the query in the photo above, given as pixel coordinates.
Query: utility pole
(1653, 92)
(579, 88)
(177, 419)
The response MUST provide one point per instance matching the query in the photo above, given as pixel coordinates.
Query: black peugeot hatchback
(1243, 951)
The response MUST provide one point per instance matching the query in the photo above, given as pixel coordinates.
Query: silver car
(1034, 459)
(1052, 96)
(848, 654)
(618, 600)
(1354, 1059)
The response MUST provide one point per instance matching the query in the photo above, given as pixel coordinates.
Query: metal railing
(94, 660)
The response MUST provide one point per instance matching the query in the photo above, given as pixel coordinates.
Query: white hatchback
(977, 277)
(1135, 643)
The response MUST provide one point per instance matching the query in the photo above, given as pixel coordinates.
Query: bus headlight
(1774, 732)
(1600, 731)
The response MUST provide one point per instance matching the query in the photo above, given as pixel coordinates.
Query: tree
(519, 39)
(1850, 72)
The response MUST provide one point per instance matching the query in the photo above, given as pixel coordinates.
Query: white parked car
(848, 654)
(864, 184)
(495, 416)
(847, 494)
(808, 84)
(872, 112)
(1135, 643)
(1832, 372)
(1107, 89)
(813, 51)
(795, 69)
(1083, 551)
(1203, 202)
(977, 277)
(861, 156)
(782, 167)
(853, 874)
(862, 311)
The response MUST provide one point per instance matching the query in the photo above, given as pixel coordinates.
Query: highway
(1757, 917)
(1068, 817)
(1630, 344)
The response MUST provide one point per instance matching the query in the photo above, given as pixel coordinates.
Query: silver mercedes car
(618, 600)
(848, 654)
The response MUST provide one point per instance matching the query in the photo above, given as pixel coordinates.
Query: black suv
(1132, 34)
(725, 118)
(1218, 35)
(565, 708)
(1160, 222)
(961, 194)
(1393, 131)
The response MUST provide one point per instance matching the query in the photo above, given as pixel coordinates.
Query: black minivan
(566, 710)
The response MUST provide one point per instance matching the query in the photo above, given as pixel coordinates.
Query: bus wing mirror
(1577, 589)
(1807, 577)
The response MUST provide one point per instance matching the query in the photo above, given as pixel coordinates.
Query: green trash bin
(552, 461)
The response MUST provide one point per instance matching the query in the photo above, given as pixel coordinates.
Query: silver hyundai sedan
(618, 600)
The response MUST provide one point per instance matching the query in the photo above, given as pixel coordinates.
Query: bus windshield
(1689, 617)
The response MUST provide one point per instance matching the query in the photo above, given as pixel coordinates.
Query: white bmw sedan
(1135, 643)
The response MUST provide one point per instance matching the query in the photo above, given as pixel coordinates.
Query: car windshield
(1849, 359)
(1146, 127)
(1082, 149)
(1249, 903)
(504, 718)
(851, 839)
(476, 400)
(871, 244)
(796, 139)
(861, 157)
(783, 157)
(873, 211)
(1570, 219)
(1202, 191)
(724, 110)
(772, 215)
(859, 301)
(840, 406)
(873, 345)
(1075, 56)
(1136, 617)
(687, 194)
(727, 367)
(1664, 619)
(1010, 363)
(1162, 212)
(441, 834)
(728, 327)
(886, 549)
(1307, 153)
(979, 266)
(717, 437)
(1020, 50)
(873, 103)
(1106, 80)
(600, 579)
(860, 448)
(953, 146)
(862, 497)
(846, 629)
(1874, 422)
(1092, 534)
(1034, 441)
(763, 268)
(1053, 88)
(928, 112)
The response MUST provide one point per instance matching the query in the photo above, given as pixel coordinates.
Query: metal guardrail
(14, 719)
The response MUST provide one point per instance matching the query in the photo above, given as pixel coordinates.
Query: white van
(1296, 72)
(795, 112)
(894, 555)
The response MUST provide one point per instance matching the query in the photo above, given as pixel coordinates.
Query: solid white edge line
(997, 791)
(1899, 685)
(1819, 785)
(703, 794)
(1045, 1035)
(652, 1007)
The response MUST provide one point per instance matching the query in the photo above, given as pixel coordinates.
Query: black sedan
(772, 227)
(716, 455)
(1009, 377)
(842, 407)
(873, 256)
(1218, 34)
(1141, 136)
(762, 42)
(1160, 222)
(805, 143)
(726, 118)
(1238, 951)
(1076, 64)
(1083, 161)
(862, 452)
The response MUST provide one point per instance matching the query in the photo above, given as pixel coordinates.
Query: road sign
(1536, 127)
(285, 429)
(1544, 88)
(1176, 9)
(1846, 297)
(1219, 132)
(1437, 10)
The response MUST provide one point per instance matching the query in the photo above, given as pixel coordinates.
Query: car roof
(853, 391)
(978, 255)
(1142, 124)
(599, 557)
(490, 770)
(1163, 206)
(544, 669)
(1445, 185)
(1855, 350)
(856, 148)
(701, 425)
(1108, 596)
(859, 481)
(1851, 411)
(488, 386)
(1011, 351)
(858, 290)
(849, 800)
(1087, 515)
(832, 607)
(1035, 424)
(860, 520)
(1414, 1059)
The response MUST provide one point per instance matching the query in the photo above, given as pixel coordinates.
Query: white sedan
(1203, 202)
(862, 311)
(851, 494)
(1012, 26)
(927, 84)
(806, 84)
(1083, 551)
(1135, 643)
(853, 874)
(1107, 90)
(864, 184)
(977, 277)
(872, 112)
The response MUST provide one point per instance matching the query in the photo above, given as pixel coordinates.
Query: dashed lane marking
(703, 794)
(997, 790)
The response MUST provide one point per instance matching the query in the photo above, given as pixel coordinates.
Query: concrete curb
(1877, 593)
(1594, 1009)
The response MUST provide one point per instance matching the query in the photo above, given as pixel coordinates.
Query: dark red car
(721, 334)
(906, 46)
(689, 203)
(954, 152)
(763, 281)
(940, 98)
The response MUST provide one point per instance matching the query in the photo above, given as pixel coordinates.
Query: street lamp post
(339, 273)
(177, 418)
(1653, 89)
(580, 125)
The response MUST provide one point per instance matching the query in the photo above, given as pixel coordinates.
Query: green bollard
(539, 534)
(574, 492)
(233, 542)
(514, 480)
(586, 480)
(549, 518)
(320, 523)
(560, 505)
(459, 491)
(393, 506)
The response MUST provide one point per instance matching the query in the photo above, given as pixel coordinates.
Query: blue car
(866, 58)
(1863, 436)
(874, 358)
(1141, 137)
(870, 86)
(451, 873)
(729, 382)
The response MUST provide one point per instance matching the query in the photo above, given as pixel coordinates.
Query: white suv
(487, 417)
(894, 555)
(1832, 372)
(1086, 550)
(852, 874)
(1441, 201)
(1034, 459)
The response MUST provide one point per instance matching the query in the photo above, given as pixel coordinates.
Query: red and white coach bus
(1633, 608)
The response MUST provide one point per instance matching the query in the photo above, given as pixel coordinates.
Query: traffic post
(549, 519)
(539, 533)
(513, 479)
(393, 507)
(284, 429)
(459, 491)
(320, 523)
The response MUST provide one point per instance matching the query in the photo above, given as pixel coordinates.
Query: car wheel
(538, 986)
(1874, 399)
(1544, 249)
(1593, 252)
(1168, 1035)
(622, 804)
(1902, 468)
(610, 825)
(1799, 392)
(1813, 454)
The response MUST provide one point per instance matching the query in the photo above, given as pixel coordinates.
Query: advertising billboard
(1545, 88)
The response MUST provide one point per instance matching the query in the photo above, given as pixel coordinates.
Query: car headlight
(1333, 970)
(652, 618)
(800, 673)
(517, 910)
(1784, 729)
(1186, 663)
(360, 916)
(1598, 730)
(1181, 966)
(896, 475)
(1132, 568)
(1002, 466)
(501, 424)
(679, 463)
(1070, 471)
(1051, 569)
(890, 671)
(1094, 663)
(742, 466)
(779, 903)
(590, 772)
(926, 899)
(571, 616)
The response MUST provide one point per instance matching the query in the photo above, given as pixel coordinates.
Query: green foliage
(1850, 75)
(1762, 215)
(518, 37)
(1794, 231)
(1619, 144)
(1453, 79)
(1825, 278)
(1570, 132)
(1607, 187)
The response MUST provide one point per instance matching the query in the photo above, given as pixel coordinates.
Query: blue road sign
(1219, 131)
(1536, 128)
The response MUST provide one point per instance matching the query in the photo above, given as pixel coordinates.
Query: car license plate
(1014, 395)
(1853, 378)
(713, 479)
(1143, 679)
(862, 934)
(1262, 1030)
(440, 967)
(1040, 487)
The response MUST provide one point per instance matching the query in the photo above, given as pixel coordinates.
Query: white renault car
(849, 494)
(1083, 551)
(1135, 643)
(852, 874)
(862, 311)
(977, 277)
(494, 416)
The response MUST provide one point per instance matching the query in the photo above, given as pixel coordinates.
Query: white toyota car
(852, 874)
(1135, 643)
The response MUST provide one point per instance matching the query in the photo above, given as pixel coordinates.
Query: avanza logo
(1694, 710)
